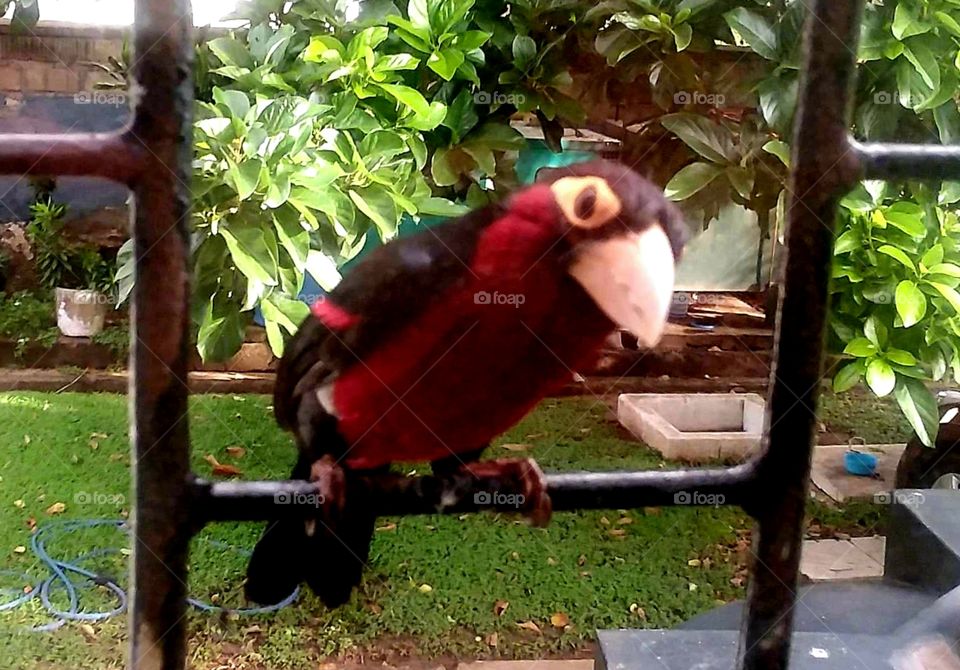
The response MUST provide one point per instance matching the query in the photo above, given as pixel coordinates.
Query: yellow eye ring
(586, 202)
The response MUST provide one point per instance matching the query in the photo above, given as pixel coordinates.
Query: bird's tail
(327, 551)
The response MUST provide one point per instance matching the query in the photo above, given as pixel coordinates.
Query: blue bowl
(859, 463)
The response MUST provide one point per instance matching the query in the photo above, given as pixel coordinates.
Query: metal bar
(109, 155)
(908, 161)
(823, 168)
(399, 495)
(162, 122)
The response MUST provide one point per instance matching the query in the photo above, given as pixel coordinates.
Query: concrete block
(62, 80)
(830, 476)
(825, 560)
(694, 426)
(10, 78)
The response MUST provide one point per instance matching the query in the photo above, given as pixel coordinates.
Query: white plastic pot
(80, 313)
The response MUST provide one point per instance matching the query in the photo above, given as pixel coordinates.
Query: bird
(436, 343)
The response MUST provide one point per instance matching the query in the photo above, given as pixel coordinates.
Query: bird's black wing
(385, 291)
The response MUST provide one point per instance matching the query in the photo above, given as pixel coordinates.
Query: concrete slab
(859, 558)
(829, 475)
(575, 664)
(694, 427)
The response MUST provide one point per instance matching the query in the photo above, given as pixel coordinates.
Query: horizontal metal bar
(907, 161)
(392, 494)
(118, 156)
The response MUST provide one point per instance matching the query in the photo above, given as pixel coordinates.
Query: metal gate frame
(153, 157)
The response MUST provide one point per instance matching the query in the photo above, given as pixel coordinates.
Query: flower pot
(80, 313)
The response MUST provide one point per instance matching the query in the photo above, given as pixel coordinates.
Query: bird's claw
(331, 483)
(523, 474)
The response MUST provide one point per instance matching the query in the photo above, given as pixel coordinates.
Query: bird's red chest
(473, 365)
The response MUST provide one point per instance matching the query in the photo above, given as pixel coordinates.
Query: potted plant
(78, 274)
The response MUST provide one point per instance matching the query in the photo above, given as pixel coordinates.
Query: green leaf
(253, 252)
(419, 14)
(278, 190)
(949, 293)
(933, 256)
(880, 377)
(445, 62)
(441, 207)
(231, 51)
(441, 169)
(294, 238)
(741, 179)
(911, 303)
(393, 62)
(920, 408)
(849, 376)
(691, 180)
(924, 61)
(900, 357)
(323, 270)
(706, 137)
(246, 176)
(860, 347)
(472, 39)
(875, 331)
(898, 255)
(682, 36)
(755, 30)
(409, 97)
(911, 224)
(779, 149)
(524, 50)
(376, 203)
(461, 116)
(236, 101)
(948, 22)
(906, 21)
(948, 269)
(847, 242)
(432, 118)
(324, 49)
(221, 330)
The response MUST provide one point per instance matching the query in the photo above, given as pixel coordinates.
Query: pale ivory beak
(630, 277)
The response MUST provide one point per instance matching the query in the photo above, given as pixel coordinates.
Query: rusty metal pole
(162, 125)
(824, 167)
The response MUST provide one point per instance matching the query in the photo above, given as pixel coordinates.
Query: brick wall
(55, 58)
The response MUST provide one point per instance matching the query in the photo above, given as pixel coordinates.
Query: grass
(436, 585)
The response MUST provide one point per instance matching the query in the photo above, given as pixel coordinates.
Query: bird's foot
(331, 483)
(523, 475)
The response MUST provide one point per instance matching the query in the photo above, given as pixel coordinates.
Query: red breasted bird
(434, 344)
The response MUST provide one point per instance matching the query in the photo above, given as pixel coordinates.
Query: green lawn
(434, 582)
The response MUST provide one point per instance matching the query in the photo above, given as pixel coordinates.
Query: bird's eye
(585, 202)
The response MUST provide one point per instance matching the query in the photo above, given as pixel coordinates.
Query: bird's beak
(630, 277)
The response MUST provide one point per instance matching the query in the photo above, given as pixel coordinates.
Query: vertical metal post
(823, 168)
(163, 50)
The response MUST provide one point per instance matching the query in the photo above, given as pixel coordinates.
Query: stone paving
(856, 558)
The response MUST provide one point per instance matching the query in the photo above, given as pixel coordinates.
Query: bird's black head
(623, 239)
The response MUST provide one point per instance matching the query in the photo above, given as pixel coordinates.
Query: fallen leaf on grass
(88, 632)
(251, 630)
(222, 469)
(694, 562)
(425, 588)
(638, 611)
(515, 446)
(617, 532)
(19, 549)
(236, 452)
(56, 508)
(387, 528)
(559, 620)
(31, 523)
(534, 436)
(551, 560)
(492, 639)
(19, 504)
(500, 607)
(529, 625)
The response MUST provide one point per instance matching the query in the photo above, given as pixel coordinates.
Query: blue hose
(60, 577)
